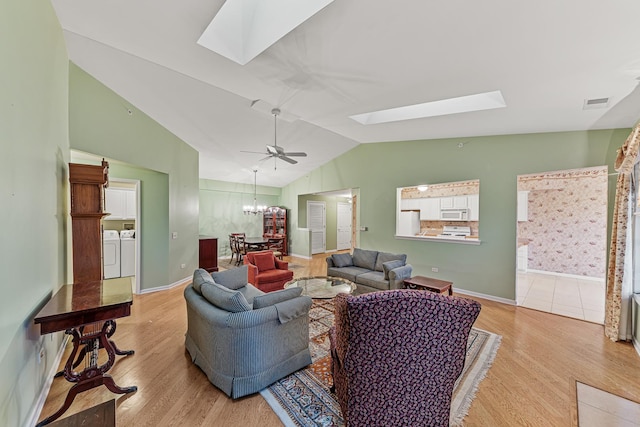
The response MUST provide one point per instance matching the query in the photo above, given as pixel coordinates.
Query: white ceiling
(357, 56)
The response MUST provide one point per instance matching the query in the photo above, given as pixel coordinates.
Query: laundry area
(120, 230)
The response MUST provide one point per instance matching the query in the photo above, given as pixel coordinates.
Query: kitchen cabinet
(120, 203)
(473, 202)
(453, 202)
(430, 209)
(523, 206)
(410, 204)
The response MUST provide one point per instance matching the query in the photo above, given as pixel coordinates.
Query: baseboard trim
(484, 296)
(164, 288)
(570, 276)
(300, 256)
(44, 391)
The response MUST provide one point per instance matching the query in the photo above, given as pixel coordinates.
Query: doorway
(122, 201)
(317, 223)
(561, 242)
(344, 226)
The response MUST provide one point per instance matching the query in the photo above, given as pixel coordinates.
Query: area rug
(302, 399)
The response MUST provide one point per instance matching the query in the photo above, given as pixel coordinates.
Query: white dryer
(111, 254)
(127, 253)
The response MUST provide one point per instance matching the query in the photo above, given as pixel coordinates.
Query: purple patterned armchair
(397, 354)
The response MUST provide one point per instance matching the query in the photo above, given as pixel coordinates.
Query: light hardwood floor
(531, 383)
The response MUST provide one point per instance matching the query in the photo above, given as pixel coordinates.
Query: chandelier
(255, 209)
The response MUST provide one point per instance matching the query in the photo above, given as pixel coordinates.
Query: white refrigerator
(409, 223)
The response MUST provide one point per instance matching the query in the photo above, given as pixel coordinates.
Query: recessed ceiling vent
(591, 104)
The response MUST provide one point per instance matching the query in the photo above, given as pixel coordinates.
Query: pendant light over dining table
(255, 209)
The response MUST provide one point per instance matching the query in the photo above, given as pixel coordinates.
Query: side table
(429, 284)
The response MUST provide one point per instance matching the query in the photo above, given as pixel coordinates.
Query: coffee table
(429, 284)
(322, 286)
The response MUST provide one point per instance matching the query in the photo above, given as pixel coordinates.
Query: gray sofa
(242, 338)
(370, 270)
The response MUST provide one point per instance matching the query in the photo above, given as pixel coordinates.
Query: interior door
(344, 226)
(317, 223)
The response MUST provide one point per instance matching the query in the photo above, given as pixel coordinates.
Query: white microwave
(454, 215)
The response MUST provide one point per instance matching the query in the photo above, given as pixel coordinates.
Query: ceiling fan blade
(298, 154)
(252, 152)
(288, 160)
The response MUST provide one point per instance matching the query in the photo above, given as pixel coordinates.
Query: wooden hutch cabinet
(87, 209)
(274, 225)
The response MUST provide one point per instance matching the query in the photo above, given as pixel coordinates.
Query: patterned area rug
(302, 399)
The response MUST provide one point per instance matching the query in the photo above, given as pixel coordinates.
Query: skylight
(243, 29)
(462, 104)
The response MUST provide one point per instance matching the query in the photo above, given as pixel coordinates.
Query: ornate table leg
(83, 351)
(93, 375)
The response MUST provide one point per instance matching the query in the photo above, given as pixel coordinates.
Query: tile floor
(597, 408)
(579, 298)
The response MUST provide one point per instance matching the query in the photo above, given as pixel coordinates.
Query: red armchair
(266, 272)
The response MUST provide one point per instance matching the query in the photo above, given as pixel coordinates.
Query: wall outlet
(434, 269)
(183, 265)
(174, 235)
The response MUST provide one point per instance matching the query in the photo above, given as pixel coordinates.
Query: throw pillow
(364, 258)
(342, 260)
(235, 278)
(200, 276)
(264, 262)
(275, 297)
(390, 265)
(225, 298)
(386, 256)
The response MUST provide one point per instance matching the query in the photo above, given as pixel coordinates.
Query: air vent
(590, 104)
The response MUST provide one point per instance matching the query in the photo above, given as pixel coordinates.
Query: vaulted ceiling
(546, 57)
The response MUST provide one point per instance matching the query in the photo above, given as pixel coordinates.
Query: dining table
(253, 244)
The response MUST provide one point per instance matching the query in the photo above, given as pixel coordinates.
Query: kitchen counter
(470, 240)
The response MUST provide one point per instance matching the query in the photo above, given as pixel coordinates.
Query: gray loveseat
(242, 338)
(370, 270)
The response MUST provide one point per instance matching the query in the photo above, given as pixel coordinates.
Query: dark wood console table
(87, 312)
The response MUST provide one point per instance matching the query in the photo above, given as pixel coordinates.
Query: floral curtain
(620, 274)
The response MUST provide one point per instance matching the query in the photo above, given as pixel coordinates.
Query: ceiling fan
(275, 150)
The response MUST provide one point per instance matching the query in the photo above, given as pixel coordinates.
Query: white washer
(127, 253)
(111, 254)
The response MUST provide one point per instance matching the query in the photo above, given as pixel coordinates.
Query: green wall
(33, 193)
(100, 124)
(496, 160)
(221, 210)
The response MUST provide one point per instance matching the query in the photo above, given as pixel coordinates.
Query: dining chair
(276, 245)
(233, 246)
(241, 248)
